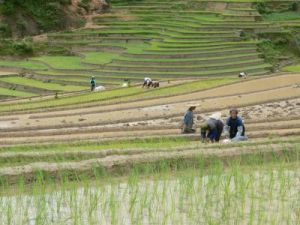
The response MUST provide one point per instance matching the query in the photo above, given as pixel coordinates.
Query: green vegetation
(73, 100)
(146, 143)
(62, 62)
(15, 93)
(282, 16)
(293, 68)
(15, 47)
(26, 64)
(232, 190)
(99, 57)
(48, 15)
(39, 84)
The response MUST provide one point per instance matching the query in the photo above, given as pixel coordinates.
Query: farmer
(93, 83)
(155, 84)
(188, 120)
(147, 82)
(243, 75)
(235, 127)
(212, 129)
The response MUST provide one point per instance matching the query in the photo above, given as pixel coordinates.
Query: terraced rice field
(118, 156)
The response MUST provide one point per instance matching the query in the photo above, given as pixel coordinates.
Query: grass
(189, 73)
(210, 191)
(179, 60)
(101, 145)
(99, 57)
(26, 64)
(63, 62)
(73, 100)
(39, 84)
(293, 68)
(15, 93)
(79, 150)
(282, 16)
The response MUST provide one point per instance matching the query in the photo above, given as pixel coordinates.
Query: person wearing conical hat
(212, 129)
(188, 120)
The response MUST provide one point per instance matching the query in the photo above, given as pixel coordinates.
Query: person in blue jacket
(235, 127)
(93, 83)
(188, 121)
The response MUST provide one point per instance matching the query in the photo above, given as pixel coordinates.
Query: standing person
(213, 128)
(235, 127)
(188, 121)
(93, 83)
(147, 82)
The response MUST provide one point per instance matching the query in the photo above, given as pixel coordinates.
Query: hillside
(32, 17)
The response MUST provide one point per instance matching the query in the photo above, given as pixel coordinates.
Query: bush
(5, 30)
(23, 48)
(268, 48)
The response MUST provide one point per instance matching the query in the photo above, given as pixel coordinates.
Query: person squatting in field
(234, 127)
(188, 121)
(212, 129)
(93, 83)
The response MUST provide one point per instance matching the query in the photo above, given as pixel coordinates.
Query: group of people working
(213, 127)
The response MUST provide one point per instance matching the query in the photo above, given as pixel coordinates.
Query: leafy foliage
(20, 48)
(47, 13)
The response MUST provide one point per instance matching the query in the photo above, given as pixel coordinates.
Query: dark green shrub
(5, 30)
(293, 6)
(270, 51)
(23, 48)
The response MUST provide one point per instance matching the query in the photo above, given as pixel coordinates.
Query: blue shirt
(234, 124)
(188, 119)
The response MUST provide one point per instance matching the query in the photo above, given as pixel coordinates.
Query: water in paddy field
(235, 197)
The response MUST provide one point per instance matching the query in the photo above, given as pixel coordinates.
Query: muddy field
(271, 105)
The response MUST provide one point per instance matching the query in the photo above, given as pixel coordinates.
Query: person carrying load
(212, 129)
(234, 127)
(188, 120)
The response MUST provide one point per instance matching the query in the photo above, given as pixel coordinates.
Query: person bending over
(212, 129)
(147, 82)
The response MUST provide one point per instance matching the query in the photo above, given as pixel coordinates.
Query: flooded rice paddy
(218, 196)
